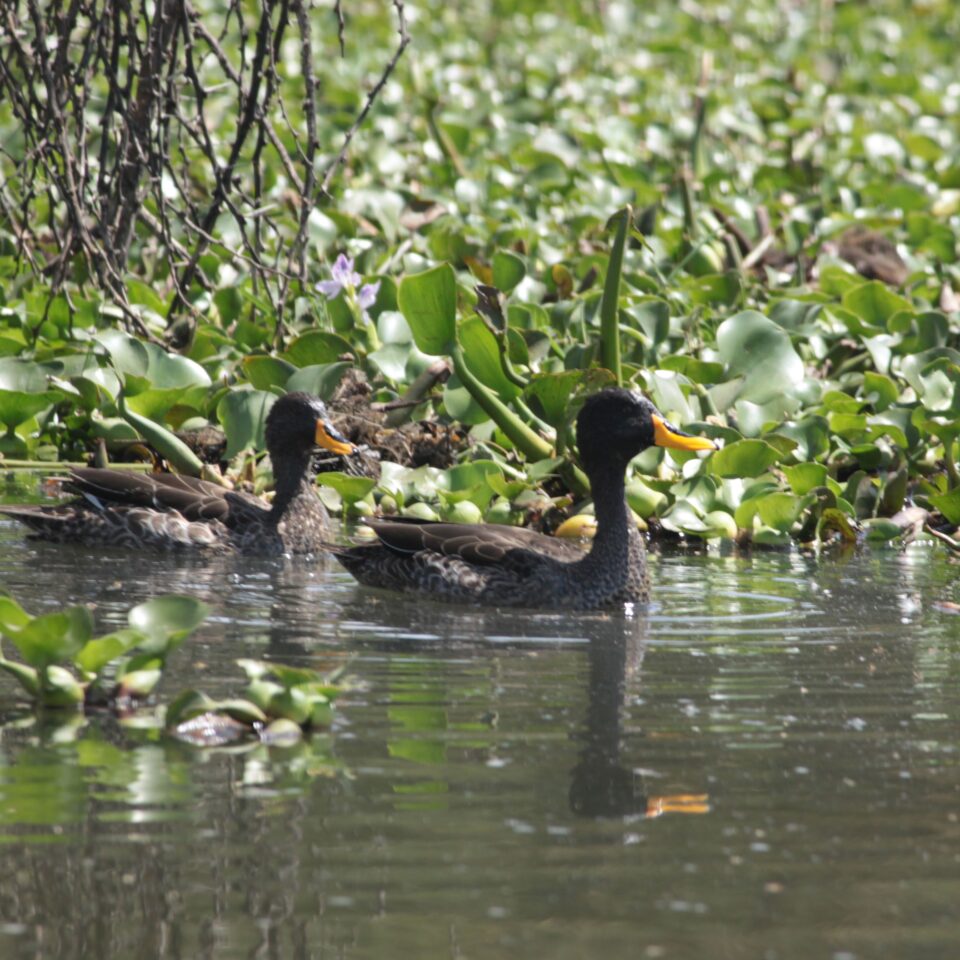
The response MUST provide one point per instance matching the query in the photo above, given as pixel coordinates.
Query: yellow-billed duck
(514, 567)
(175, 512)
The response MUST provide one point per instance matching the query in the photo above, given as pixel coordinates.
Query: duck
(168, 511)
(502, 566)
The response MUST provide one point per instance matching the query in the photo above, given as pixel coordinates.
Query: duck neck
(614, 529)
(291, 482)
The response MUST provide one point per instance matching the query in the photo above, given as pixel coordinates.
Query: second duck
(514, 567)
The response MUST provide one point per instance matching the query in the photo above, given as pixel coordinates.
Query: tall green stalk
(529, 443)
(610, 304)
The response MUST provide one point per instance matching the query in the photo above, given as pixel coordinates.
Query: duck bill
(667, 435)
(330, 439)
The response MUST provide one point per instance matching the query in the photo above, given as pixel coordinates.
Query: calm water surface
(762, 765)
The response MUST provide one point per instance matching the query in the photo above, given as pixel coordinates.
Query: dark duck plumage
(513, 567)
(170, 511)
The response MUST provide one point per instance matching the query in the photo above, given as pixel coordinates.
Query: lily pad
(17, 407)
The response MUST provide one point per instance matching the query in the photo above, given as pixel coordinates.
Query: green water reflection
(766, 764)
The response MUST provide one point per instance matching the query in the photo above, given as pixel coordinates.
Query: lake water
(764, 764)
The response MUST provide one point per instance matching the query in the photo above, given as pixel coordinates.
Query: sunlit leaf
(428, 302)
(482, 355)
(321, 380)
(760, 351)
(349, 487)
(803, 477)
(97, 653)
(745, 458)
(166, 621)
(874, 302)
(948, 504)
(52, 637)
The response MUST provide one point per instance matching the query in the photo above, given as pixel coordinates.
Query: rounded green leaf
(881, 529)
(291, 704)
(552, 391)
(128, 354)
(12, 615)
(460, 404)
(508, 270)
(139, 683)
(764, 536)
(948, 504)
(643, 500)
(242, 414)
(52, 637)
(428, 302)
(761, 352)
(17, 407)
(779, 510)
(281, 732)
(60, 688)
(875, 303)
(166, 621)
(97, 653)
(169, 370)
(254, 669)
(266, 372)
(261, 692)
(720, 524)
(879, 390)
(316, 347)
(320, 379)
(350, 488)
(805, 476)
(243, 711)
(745, 458)
(322, 713)
(686, 517)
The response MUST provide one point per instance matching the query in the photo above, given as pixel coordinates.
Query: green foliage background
(502, 145)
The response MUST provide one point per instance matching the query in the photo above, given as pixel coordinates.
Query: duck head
(297, 423)
(616, 424)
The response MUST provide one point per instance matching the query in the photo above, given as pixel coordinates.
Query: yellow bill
(667, 435)
(330, 439)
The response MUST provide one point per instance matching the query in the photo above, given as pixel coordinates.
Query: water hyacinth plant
(358, 296)
(63, 665)
(279, 703)
(768, 246)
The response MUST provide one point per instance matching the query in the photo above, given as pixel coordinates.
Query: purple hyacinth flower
(368, 295)
(343, 276)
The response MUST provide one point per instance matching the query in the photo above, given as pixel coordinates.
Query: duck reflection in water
(601, 785)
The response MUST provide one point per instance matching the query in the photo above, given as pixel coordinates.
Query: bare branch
(371, 96)
(131, 162)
